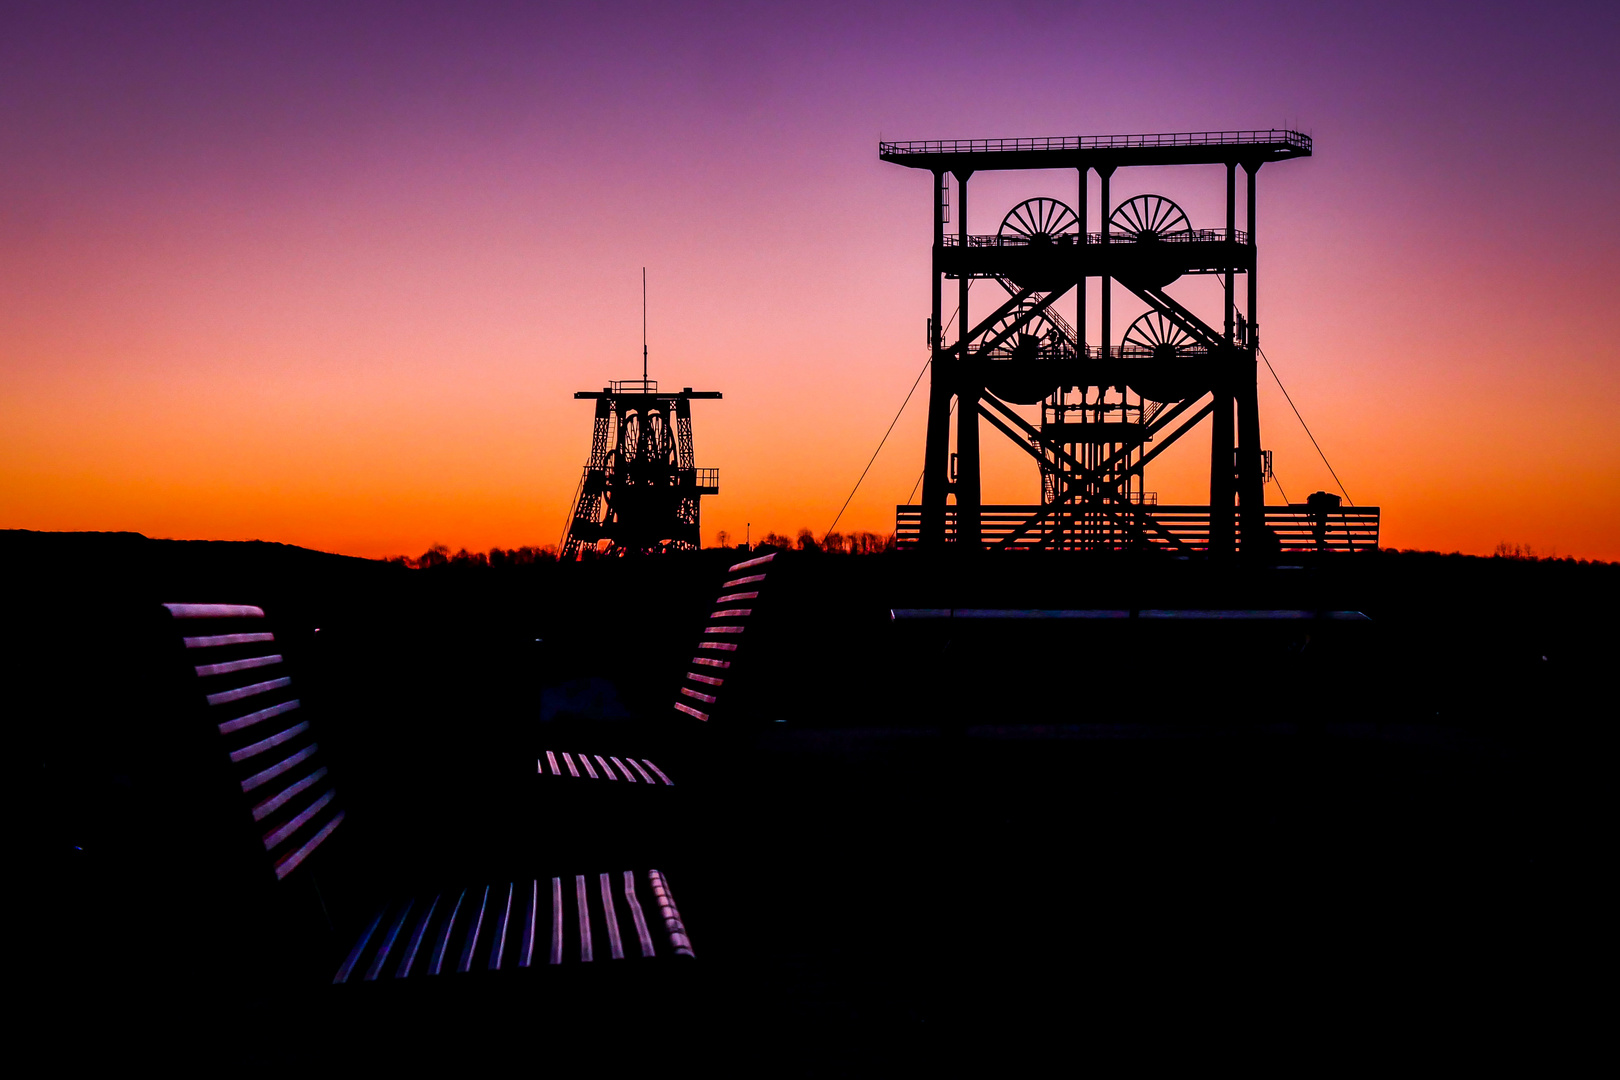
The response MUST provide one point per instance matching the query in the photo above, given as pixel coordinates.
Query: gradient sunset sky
(329, 274)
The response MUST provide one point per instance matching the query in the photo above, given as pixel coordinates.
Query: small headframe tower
(641, 488)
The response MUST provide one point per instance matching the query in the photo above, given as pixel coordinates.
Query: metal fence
(1297, 528)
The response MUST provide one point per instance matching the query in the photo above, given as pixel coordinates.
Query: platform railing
(1185, 236)
(1126, 352)
(1297, 528)
(1271, 136)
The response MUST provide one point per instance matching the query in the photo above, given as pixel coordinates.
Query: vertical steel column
(1222, 479)
(1107, 300)
(937, 449)
(1106, 306)
(1231, 239)
(1250, 484)
(1251, 168)
(1062, 522)
(1080, 261)
(967, 399)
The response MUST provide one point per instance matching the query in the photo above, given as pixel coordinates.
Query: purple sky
(329, 273)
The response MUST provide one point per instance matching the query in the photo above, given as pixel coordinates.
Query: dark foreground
(917, 848)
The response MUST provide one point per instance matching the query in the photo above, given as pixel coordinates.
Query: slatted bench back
(729, 635)
(264, 738)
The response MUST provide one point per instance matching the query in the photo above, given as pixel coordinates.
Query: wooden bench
(287, 800)
(706, 690)
(264, 743)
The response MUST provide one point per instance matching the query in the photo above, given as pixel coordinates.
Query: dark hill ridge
(141, 557)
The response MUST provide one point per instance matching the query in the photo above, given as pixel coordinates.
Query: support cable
(572, 509)
(952, 411)
(881, 441)
(895, 421)
(1280, 490)
(1304, 425)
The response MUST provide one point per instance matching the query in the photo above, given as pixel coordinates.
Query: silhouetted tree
(469, 558)
(1505, 550)
(858, 543)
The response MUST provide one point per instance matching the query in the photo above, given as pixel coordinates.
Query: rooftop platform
(1099, 151)
(645, 386)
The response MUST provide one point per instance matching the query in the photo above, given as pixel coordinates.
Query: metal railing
(636, 386)
(1296, 528)
(1191, 350)
(1271, 136)
(1186, 236)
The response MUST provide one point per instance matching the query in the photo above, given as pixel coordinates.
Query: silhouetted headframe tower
(1109, 409)
(641, 487)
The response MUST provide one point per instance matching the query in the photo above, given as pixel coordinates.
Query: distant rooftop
(1081, 151)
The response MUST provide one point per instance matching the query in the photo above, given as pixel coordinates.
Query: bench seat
(517, 925)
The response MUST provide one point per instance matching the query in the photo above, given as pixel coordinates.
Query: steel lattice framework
(641, 487)
(1109, 409)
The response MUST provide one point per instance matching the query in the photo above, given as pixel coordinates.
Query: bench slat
(615, 941)
(261, 778)
(406, 961)
(288, 863)
(254, 717)
(472, 937)
(637, 916)
(205, 670)
(225, 697)
(275, 836)
(255, 749)
(213, 640)
(276, 802)
(388, 942)
(497, 951)
(436, 961)
(215, 611)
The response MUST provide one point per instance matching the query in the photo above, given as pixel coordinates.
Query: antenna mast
(643, 324)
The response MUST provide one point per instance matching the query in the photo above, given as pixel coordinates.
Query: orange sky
(333, 283)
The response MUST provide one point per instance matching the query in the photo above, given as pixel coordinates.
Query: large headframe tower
(1108, 409)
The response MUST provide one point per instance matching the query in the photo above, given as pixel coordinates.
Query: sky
(329, 274)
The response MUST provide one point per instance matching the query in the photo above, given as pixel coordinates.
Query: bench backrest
(287, 795)
(710, 679)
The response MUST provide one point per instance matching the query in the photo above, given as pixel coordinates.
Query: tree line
(852, 543)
